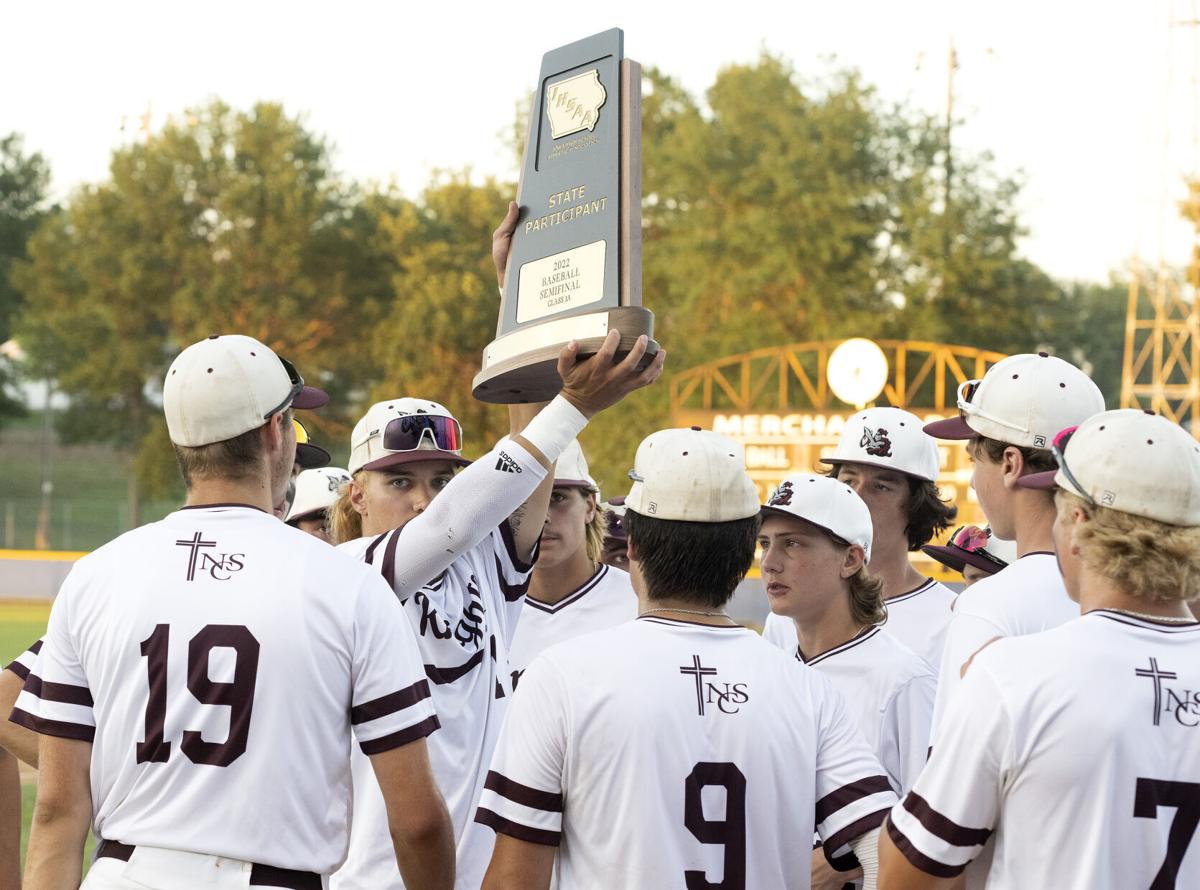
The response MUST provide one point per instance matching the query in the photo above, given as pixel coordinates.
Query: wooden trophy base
(523, 366)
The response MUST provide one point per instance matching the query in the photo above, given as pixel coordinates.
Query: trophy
(575, 265)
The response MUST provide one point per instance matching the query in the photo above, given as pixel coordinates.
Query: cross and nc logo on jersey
(1183, 705)
(726, 696)
(219, 566)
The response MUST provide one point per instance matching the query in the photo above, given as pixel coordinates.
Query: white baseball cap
(229, 384)
(316, 492)
(571, 469)
(830, 505)
(1132, 461)
(1023, 400)
(691, 475)
(433, 431)
(888, 437)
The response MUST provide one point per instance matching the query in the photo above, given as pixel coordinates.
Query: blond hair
(866, 598)
(594, 530)
(345, 523)
(1145, 558)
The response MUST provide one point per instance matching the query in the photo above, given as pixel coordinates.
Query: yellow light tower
(1161, 371)
(1161, 368)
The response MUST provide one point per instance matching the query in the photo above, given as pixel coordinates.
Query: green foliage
(777, 208)
(24, 181)
(228, 221)
(444, 312)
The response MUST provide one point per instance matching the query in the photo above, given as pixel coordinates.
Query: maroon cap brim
(955, 558)
(1039, 481)
(618, 501)
(310, 456)
(953, 428)
(407, 457)
(311, 397)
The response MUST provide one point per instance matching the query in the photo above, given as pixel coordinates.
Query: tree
(227, 221)
(430, 341)
(24, 182)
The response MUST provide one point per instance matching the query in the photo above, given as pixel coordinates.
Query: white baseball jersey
(219, 657)
(889, 691)
(1077, 753)
(655, 753)
(1026, 597)
(916, 619)
(606, 599)
(464, 621)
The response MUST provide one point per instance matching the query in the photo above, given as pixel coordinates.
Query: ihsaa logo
(574, 104)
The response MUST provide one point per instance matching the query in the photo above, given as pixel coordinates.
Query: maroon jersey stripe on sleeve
(842, 838)
(398, 739)
(919, 859)
(533, 798)
(941, 827)
(500, 825)
(59, 692)
(390, 704)
(60, 728)
(848, 794)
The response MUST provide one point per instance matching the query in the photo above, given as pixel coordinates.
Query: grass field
(20, 625)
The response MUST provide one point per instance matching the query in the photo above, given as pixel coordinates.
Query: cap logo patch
(782, 496)
(1108, 498)
(1039, 441)
(876, 442)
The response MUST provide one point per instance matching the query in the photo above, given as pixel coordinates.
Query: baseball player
(892, 465)
(1009, 419)
(815, 544)
(203, 677)
(570, 592)
(974, 552)
(651, 754)
(1077, 750)
(316, 491)
(458, 552)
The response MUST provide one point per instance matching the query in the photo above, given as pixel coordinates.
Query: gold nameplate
(561, 282)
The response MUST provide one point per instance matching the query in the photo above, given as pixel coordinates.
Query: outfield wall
(34, 574)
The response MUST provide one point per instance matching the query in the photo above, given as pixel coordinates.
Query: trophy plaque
(575, 266)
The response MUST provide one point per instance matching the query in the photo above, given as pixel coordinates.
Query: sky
(1073, 96)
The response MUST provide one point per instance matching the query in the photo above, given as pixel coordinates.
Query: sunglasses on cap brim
(410, 431)
(297, 387)
(973, 539)
(967, 390)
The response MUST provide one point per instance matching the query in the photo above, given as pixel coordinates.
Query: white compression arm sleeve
(552, 430)
(475, 502)
(866, 848)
